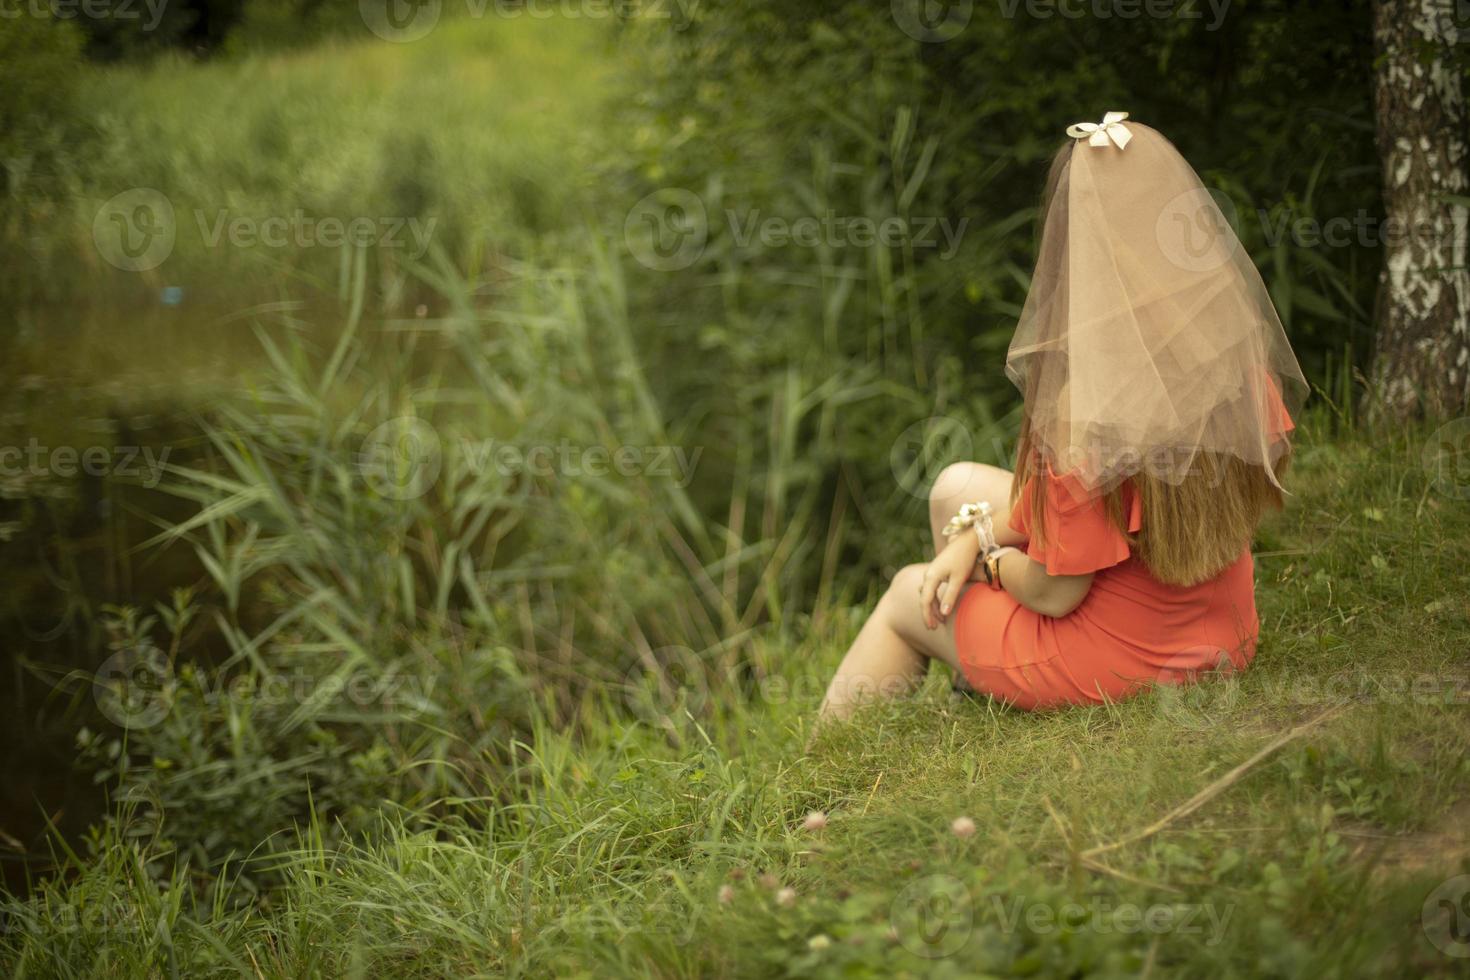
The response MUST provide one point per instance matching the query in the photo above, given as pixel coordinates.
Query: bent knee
(901, 611)
(903, 587)
(950, 483)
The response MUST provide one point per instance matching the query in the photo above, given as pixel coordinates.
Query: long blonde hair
(1190, 532)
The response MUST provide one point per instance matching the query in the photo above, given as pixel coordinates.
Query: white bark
(1422, 359)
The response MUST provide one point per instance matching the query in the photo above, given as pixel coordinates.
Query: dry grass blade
(1217, 787)
(1095, 865)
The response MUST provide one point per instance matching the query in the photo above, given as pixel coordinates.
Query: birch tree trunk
(1421, 361)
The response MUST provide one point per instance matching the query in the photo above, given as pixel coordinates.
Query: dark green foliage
(132, 29)
(39, 60)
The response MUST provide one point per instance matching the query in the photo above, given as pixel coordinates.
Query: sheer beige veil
(1147, 337)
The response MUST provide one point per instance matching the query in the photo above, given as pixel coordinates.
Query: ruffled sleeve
(1279, 423)
(1079, 537)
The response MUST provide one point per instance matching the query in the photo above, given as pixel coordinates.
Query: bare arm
(1027, 581)
(1029, 584)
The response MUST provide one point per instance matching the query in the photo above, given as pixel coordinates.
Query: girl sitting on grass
(1158, 393)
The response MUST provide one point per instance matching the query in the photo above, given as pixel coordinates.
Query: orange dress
(1131, 631)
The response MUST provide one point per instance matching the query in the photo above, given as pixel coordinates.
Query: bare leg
(965, 483)
(892, 652)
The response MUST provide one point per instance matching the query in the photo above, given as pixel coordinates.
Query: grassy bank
(1328, 789)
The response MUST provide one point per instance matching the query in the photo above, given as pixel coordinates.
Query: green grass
(610, 855)
(539, 814)
(485, 133)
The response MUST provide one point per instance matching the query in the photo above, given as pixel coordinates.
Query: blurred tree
(1422, 357)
